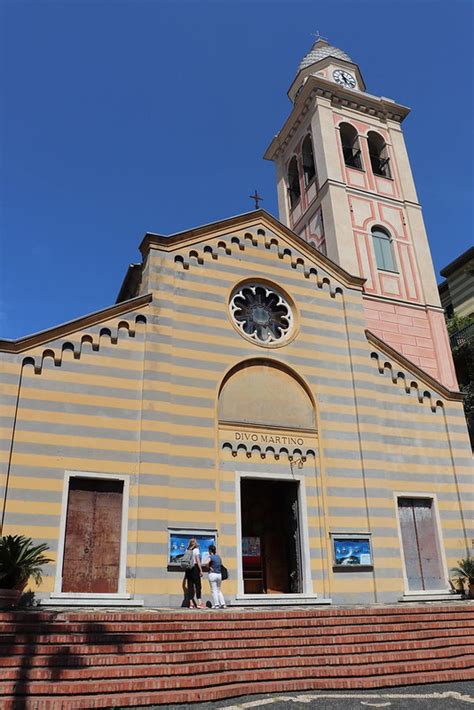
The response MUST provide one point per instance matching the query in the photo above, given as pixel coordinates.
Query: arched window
(309, 169)
(383, 249)
(378, 154)
(293, 182)
(350, 146)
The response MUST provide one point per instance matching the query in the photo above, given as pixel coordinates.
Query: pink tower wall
(414, 329)
(418, 333)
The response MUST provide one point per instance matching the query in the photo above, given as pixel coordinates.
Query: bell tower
(345, 186)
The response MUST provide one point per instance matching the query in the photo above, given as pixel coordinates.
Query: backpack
(187, 560)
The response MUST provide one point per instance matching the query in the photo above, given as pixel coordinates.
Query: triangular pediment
(233, 233)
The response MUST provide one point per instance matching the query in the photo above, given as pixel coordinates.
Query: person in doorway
(193, 577)
(214, 563)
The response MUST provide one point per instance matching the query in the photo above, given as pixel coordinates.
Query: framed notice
(251, 547)
(178, 540)
(351, 550)
(252, 565)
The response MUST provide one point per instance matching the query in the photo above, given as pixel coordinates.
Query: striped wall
(72, 404)
(142, 402)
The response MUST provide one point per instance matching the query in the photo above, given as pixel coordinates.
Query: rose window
(261, 313)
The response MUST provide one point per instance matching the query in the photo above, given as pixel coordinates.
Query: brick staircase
(67, 659)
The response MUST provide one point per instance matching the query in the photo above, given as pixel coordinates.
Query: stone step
(233, 614)
(226, 643)
(299, 636)
(252, 676)
(72, 660)
(125, 658)
(208, 623)
(220, 692)
(97, 636)
(159, 668)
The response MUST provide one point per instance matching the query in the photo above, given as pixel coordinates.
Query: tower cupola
(320, 50)
(327, 62)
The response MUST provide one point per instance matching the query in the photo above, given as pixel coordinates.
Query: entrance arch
(267, 417)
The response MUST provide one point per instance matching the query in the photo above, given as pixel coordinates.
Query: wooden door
(93, 534)
(421, 547)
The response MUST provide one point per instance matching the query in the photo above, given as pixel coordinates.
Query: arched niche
(265, 393)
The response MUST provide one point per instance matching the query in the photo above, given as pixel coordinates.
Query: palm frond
(21, 559)
(465, 568)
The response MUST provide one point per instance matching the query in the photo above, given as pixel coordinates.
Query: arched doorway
(267, 416)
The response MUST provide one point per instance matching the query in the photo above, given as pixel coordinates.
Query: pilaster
(340, 243)
(324, 142)
(430, 294)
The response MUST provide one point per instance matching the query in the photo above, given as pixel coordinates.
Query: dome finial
(317, 37)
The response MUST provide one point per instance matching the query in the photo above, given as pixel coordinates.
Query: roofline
(57, 331)
(317, 86)
(458, 262)
(180, 239)
(418, 371)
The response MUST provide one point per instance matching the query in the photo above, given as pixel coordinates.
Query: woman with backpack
(216, 569)
(193, 575)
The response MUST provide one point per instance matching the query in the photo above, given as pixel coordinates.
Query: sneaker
(223, 606)
(216, 607)
(201, 605)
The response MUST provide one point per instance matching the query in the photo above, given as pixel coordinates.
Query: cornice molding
(415, 369)
(59, 331)
(318, 87)
(248, 220)
(401, 301)
(388, 199)
(351, 191)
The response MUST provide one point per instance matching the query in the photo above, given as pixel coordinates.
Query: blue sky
(119, 118)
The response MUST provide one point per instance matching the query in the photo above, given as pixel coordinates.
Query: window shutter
(383, 250)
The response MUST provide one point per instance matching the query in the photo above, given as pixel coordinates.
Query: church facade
(282, 387)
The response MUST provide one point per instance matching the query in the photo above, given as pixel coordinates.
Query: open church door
(271, 537)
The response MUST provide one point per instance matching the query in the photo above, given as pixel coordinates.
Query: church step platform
(95, 659)
(256, 600)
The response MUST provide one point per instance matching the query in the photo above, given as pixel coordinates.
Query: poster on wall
(251, 546)
(352, 551)
(178, 542)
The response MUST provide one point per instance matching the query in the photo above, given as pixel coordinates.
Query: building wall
(147, 407)
(362, 459)
(72, 404)
(461, 291)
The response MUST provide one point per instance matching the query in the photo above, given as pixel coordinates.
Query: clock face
(344, 78)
